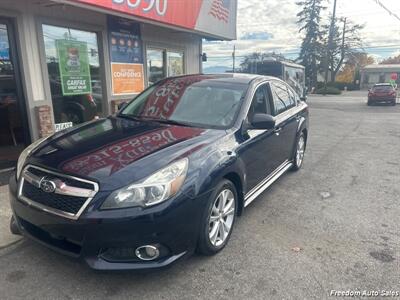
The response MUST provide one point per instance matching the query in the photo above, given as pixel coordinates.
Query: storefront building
(373, 74)
(67, 62)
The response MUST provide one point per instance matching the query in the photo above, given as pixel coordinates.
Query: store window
(174, 63)
(155, 65)
(73, 65)
(162, 63)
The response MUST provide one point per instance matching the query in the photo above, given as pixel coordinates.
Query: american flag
(220, 10)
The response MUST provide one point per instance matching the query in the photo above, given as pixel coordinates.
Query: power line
(387, 9)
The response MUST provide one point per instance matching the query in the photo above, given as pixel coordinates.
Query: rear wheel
(218, 221)
(393, 103)
(300, 150)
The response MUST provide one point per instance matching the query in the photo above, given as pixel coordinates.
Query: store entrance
(13, 136)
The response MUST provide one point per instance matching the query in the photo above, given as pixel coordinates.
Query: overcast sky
(270, 25)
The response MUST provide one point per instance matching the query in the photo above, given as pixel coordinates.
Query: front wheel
(218, 220)
(300, 150)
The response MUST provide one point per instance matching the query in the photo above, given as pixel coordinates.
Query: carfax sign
(74, 67)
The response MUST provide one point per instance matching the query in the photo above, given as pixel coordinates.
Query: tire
(14, 227)
(298, 156)
(394, 103)
(369, 103)
(74, 116)
(209, 243)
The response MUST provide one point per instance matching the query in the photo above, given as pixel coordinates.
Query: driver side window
(260, 103)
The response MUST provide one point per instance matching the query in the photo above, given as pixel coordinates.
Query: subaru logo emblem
(47, 186)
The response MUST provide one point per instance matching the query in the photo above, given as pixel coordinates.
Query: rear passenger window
(282, 99)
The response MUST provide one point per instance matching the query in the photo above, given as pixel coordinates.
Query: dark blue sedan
(165, 176)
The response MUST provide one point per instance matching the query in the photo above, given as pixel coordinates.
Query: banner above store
(212, 18)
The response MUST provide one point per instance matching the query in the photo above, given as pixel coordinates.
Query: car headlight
(27, 151)
(155, 189)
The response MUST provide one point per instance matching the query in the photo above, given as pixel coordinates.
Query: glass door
(162, 63)
(155, 65)
(13, 121)
(74, 70)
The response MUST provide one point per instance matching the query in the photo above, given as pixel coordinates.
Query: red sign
(393, 76)
(174, 12)
(216, 18)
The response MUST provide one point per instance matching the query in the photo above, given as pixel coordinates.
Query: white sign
(61, 126)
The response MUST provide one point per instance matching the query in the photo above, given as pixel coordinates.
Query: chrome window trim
(61, 189)
(283, 116)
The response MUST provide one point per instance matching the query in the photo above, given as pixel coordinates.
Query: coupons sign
(73, 61)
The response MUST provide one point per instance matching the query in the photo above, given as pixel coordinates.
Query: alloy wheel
(300, 151)
(222, 217)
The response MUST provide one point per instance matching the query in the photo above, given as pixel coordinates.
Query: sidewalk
(6, 237)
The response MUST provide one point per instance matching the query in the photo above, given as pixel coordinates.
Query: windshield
(194, 101)
(383, 88)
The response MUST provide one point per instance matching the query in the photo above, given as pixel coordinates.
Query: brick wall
(44, 120)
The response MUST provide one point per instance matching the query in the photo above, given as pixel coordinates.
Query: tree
(391, 60)
(309, 19)
(350, 72)
(346, 43)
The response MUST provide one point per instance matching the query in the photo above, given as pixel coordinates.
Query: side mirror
(304, 98)
(263, 121)
(122, 105)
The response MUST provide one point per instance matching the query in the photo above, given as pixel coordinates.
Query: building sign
(213, 17)
(127, 78)
(126, 56)
(125, 42)
(74, 67)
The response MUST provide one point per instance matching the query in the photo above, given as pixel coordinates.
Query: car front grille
(68, 196)
(68, 204)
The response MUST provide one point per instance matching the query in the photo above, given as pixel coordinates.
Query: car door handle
(278, 130)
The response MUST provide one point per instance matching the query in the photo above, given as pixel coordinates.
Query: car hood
(117, 151)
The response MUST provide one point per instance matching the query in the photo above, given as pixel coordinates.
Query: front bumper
(173, 226)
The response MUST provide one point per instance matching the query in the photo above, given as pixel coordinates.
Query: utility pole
(329, 46)
(343, 42)
(233, 58)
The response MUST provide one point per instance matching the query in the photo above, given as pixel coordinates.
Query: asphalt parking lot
(334, 225)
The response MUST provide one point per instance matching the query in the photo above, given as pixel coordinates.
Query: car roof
(242, 78)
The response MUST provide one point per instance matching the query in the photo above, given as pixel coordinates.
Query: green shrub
(329, 91)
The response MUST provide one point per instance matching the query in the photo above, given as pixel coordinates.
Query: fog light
(147, 252)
